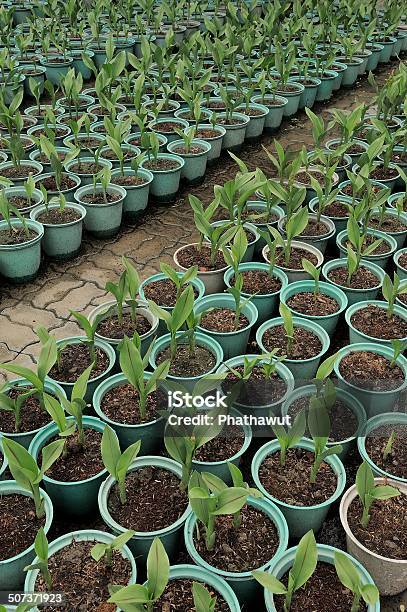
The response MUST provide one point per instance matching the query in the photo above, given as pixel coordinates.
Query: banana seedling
(369, 492)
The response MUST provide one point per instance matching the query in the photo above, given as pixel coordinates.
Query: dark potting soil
(243, 548)
(381, 249)
(18, 524)
(78, 462)
(130, 180)
(305, 344)
(112, 328)
(59, 132)
(184, 364)
(259, 217)
(309, 303)
(323, 592)
(390, 224)
(354, 149)
(121, 404)
(163, 292)
(86, 168)
(50, 184)
(161, 164)
(386, 533)
(111, 155)
(399, 158)
(230, 121)
(74, 359)
(100, 198)
(207, 133)
(381, 173)
(223, 447)
(296, 257)
(259, 282)
(168, 127)
(251, 112)
(14, 172)
(375, 322)
(32, 415)
(271, 101)
(154, 500)
(87, 142)
(314, 229)
(344, 423)
(192, 256)
(403, 299)
(56, 217)
(193, 150)
(43, 159)
(370, 371)
(348, 190)
(305, 177)
(396, 461)
(257, 390)
(222, 320)
(17, 235)
(83, 580)
(20, 202)
(177, 597)
(402, 261)
(220, 106)
(288, 88)
(361, 279)
(290, 483)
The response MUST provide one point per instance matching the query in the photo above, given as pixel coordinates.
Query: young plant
(289, 438)
(116, 462)
(288, 324)
(179, 279)
(217, 236)
(391, 291)
(369, 492)
(314, 272)
(90, 332)
(356, 248)
(388, 449)
(351, 579)
(203, 600)
(398, 348)
(7, 211)
(319, 426)
(41, 550)
(105, 551)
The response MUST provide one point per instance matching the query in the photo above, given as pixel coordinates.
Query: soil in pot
(154, 500)
(354, 149)
(78, 462)
(32, 415)
(230, 121)
(291, 484)
(192, 256)
(86, 168)
(129, 180)
(399, 157)
(59, 132)
(313, 304)
(111, 155)
(402, 261)
(259, 282)
(83, 580)
(296, 257)
(177, 597)
(386, 533)
(375, 322)
(87, 142)
(111, 327)
(361, 279)
(186, 365)
(251, 112)
(305, 177)
(161, 164)
(207, 133)
(17, 236)
(368, 370)
(43, 159)
(18, 523)
(241, 549)
(50, 184)
(403, 299)
(20, 202)
(305, 343)
(396, 461)
(257, 390)
(101, 198)
(223, 447)
(381, 248)
(259, 217)
(193, 150)
(74, 359)
(222, 320)
(391, 224)
(344, 423)
(19, 172)
(168, 127)
(220, 106)
(121, 404)
(56, 217)
(381, 173)
(163, 292)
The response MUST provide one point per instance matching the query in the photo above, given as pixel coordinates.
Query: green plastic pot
(165, 184)
(235, 132)
(233, 343)
(259, 207)
(374, 402)
(68, 193)
(326, 554)
(349, 400)
(70, 141)
(340, 222)
(276, 111)
(243, 583)
(402, 272)
(328, 322)
(216, 142)
(194, 168)
(291, 273)
(140, 543)
(300, 519)
(332, 144)
(36, 154)
(388, 418)
(170, 136)
(373, 59)
(38, 77)
(12, 570)
(62, 240)
(77, 498)
(35, 132)
(293, 98)
(380, 260)
(309, 94)
(352, 72)
(340, 69)
(301, 369)
(56, 72)
(325, 89)
(19, 263)
(319, 242)
(37, 198)
(356, 336)
(265, 302)
(387, 51)
(142, 309)
(19, 182)
(102, 220)
(355, 295)
(136, 199)
(255, 127)
(79, 64)
(87, 179)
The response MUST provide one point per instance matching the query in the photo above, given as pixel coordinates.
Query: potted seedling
(57, 181)
(135, 180)
(194, 152)
(165, 167)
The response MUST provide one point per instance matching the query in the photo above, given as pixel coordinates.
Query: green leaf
(98, 551)
(50, 454)
(79, 388)
(203, 601)
(364, 480)
(127, 458)
(347, 572)
(110, 450)
(305, 561)
(384, 492)
(158, 569)
(270, 582)
(122, 539)
(129, 596)
(41, 545)
(231, 500)
(370, 593)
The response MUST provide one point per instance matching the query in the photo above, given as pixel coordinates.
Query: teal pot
(4, 462)
(37, 73)
(255, 127)
(257, 207)
(36, 155)
(250, 227)
(326, 554)
(61, 240)
(194, 168)
(56, 71)
(261, 410)
(355, 295)
(16, 192)
(165, 184)
(12, 570)
(356, 336)
(77, 498)
(400, 236)
(136, 199)
(374, 402)
(340, 222)
(102, 219)
(93, 382)
(292, 273)
(402, 272)
(79, 64)
(334, 143)
(344, 167)
(328, 322)
(353, 70)
(233, 343)
(196, 283)
(276, 106)
(99, 54)
(351, 402)
(364, 55)
(140, 543)
(76, 181)
(10, 89)
(106, 153)
(235, 132)
(300, 519)
(84, 152)
(203, 340)
(389, 575)
(243, 583)
(319, 242)
(63, 131)
(25, 438)
(380, 260)
(309, 94)
(376, 422)
(110, 308)
(302, 369)
(374, 58)
(387, 51)
(32, 167)
(293, 97)
(213, 280)
(340, 69)
(19, 263)
(325, 90)
(265, 303)
(170, 135)
(215, 140)
(150, 433)
(73, 166)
